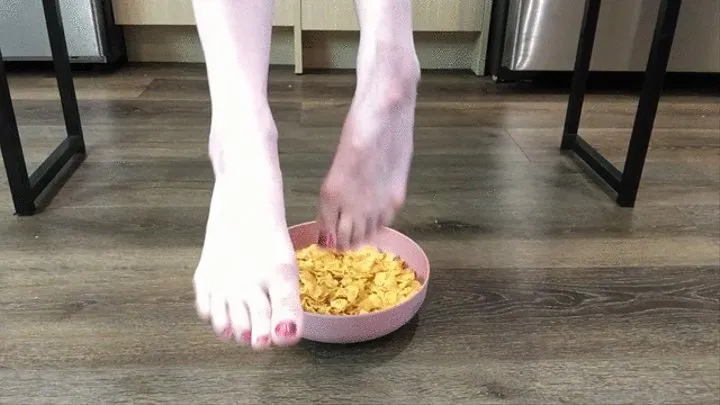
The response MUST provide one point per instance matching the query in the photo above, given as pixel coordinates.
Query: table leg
(583, 56)
(26, 189)
(648, 103)
(12, 152)
(625, 183)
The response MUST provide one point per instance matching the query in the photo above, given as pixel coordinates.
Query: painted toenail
(286, 329)
(263, 340)
(246, 337)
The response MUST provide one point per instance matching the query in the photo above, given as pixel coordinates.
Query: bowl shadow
(370, 353)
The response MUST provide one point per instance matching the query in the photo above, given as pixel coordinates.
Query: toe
(371, 228)
(328, 216)
(344, 231)
(259, 310)
(240, 320)
(386, 218)
(287, 314)
(358, 231)
(219, 316)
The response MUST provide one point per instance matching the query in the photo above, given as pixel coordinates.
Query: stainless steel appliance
(531, 36)
(90, 31)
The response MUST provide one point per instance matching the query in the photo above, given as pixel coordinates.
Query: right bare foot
(246, 282)
(367, 182)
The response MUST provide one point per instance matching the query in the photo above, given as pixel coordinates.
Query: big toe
(287, 314)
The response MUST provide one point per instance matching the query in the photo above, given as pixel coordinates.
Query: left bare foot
(367, 182)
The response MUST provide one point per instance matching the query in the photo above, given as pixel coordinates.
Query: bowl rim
(386, 310)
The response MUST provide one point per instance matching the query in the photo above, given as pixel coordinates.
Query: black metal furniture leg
(12, 152)
(580, 73)
(648, 103)
(63, 72)
(625, 183)
(26, 189)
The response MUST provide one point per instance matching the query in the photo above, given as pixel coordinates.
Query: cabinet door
(180, 12)
(428, 15)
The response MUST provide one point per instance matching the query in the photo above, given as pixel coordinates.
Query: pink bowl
(360, 328)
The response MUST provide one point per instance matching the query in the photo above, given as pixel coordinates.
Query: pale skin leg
(246, 282)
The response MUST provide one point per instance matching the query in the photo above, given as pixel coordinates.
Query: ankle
(240, 107)
(245, 167)
(390, 83)
(394, 63)
(240, 142)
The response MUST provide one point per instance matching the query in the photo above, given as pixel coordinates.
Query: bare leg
(246, 282)
(367, 182)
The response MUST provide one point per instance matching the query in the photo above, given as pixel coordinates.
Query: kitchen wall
(449, 34)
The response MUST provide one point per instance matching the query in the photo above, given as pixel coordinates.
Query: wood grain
(543, 290)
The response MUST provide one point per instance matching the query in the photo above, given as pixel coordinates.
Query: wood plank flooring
(544, 290)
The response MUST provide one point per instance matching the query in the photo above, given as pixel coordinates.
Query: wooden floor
(544, 290)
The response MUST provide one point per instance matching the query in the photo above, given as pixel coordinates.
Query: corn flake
(353, 282)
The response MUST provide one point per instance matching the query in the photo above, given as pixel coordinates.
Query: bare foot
(367, 182)
(246, 282)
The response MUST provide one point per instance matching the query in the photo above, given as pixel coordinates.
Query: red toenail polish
(246, 337)
(263, 340)
(286, 329)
